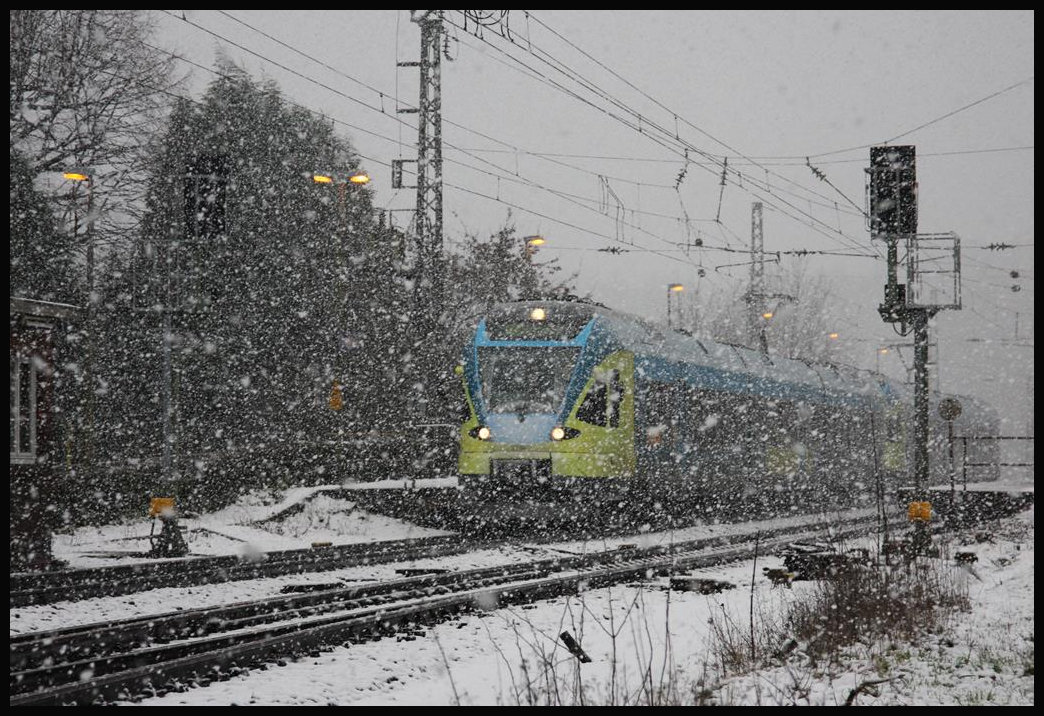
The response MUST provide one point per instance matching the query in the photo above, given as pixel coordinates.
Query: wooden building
(38, 467)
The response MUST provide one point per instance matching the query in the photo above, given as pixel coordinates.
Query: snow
(260, 522)
(647, 644)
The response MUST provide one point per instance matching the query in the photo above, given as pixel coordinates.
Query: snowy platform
(293, 519)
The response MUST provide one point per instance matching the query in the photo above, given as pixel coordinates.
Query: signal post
(932, 263)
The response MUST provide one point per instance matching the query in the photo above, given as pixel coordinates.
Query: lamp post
(88, 372)
(347, 342)
(78, 176)
(357, 179)
(832, 338)
(673, 288)
(880, 352)
(765, 318)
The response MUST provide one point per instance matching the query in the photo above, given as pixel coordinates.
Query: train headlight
(480, 433)
(561, 433)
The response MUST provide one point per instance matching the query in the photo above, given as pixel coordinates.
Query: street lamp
(833, 345)
(78, 176)
(357, 178)
(880, 352)
(673, 288)
(348, 342)
(766, 316)
(532, 242)
(88, 367)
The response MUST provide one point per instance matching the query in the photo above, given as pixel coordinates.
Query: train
(573, 405)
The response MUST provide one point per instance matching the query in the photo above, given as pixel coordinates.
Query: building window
(23, 408)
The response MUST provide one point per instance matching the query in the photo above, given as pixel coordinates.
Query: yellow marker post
(336, 400)
(169, 542)
(919, 511)
(161, 506)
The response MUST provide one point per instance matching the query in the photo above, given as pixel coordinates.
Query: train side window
(708, 414)
(661, 414)
(779, 419)
(694, 408)
(463, 409)
(615, 398)
(594, 409)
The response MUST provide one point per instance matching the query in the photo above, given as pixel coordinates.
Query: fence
(993, 453)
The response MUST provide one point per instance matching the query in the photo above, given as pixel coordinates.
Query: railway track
(75, 584)
(121, 661)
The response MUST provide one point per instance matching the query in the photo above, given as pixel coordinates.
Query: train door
(657, 437)
(706, 430)
(716, 453)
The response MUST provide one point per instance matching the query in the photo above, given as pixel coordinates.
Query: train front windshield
(525, 380)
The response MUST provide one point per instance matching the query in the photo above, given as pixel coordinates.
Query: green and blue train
(571, 403)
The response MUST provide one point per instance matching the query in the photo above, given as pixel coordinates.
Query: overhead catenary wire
(678, 145)
(382, 94)
(768, 161)
(361, 155)
(501, 169)
(504, 176)
(364, 104)
(926, 124)
(667, 109)
(507, 174)
(676, 116)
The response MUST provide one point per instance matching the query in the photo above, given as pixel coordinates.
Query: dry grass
(857, 604)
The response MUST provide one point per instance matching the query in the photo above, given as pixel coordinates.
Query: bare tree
(88, 93)
(801, 325)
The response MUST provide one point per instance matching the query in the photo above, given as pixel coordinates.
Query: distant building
(37, 466)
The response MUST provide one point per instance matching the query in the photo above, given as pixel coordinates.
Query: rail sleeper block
(815, 566)
(703, 585)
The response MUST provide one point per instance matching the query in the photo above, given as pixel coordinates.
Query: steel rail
(252, 644)
(76, 584)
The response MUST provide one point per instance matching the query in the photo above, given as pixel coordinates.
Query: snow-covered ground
(646, 642)
(259, 522)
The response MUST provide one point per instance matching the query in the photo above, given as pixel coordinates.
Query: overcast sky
(577, 123)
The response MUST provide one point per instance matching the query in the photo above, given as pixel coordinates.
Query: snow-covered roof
(44, 309)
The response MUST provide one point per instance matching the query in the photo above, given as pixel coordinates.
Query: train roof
(565, 319)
